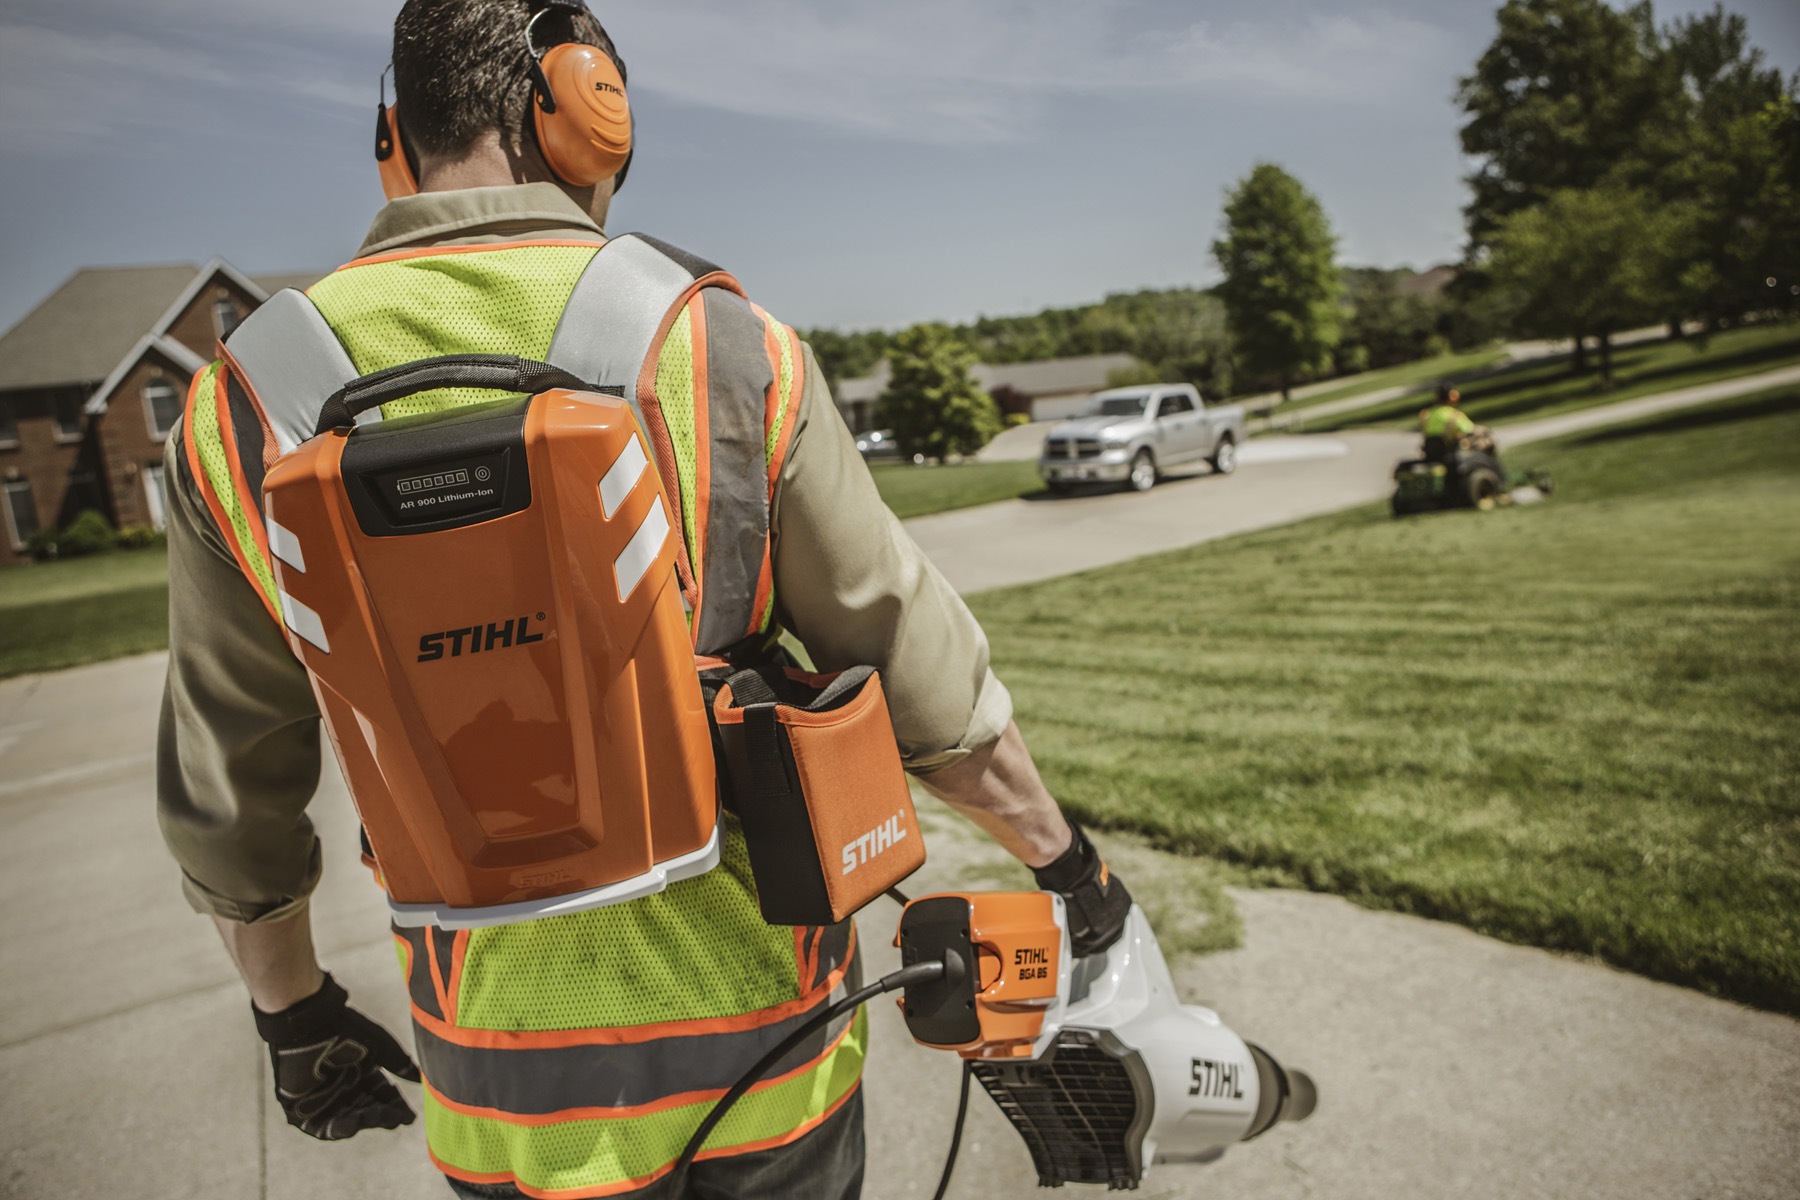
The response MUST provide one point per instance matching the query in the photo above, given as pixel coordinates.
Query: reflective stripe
(622, 477)
(606, 1156)
(737, 507)
(640, 552)
(284, 545)
(543, 1081)
(212, 455)
(292, 362)
(303, 621)
(612, 317)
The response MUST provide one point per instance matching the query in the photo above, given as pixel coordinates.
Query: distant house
(1047, 390)
(91, 381)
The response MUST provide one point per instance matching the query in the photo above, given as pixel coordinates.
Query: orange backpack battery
(486, 602)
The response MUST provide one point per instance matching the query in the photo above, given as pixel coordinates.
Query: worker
(1445, 427)
(569, 1056)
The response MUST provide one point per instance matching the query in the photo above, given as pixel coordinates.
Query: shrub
(42, 545)
(1015, 419)
(88, 534)
(137, 537)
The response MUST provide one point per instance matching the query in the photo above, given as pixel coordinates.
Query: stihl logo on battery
(475, 639)
(1217, 1080)
(1033, 962)
(870, 844)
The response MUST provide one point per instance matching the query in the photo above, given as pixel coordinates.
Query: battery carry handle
(497, 372)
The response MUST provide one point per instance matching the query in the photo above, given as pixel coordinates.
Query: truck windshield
(1117, 406)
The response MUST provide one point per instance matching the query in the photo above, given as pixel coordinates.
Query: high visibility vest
(1446, 421)
(573, 1056)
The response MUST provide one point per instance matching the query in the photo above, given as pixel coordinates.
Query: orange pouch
(815, 779)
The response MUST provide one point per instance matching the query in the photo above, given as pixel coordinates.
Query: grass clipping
(1575, 725)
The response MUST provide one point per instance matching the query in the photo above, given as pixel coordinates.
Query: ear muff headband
(399, 176)
(580, 112)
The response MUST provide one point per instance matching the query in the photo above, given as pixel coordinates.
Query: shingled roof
(80, 331)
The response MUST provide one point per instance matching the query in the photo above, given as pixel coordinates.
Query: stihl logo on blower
(860, 851)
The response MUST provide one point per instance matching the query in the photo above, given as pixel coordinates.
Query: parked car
(877, 443)
(1129, 435)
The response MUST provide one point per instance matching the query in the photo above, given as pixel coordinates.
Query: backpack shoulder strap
(290, 361)
(620, 307)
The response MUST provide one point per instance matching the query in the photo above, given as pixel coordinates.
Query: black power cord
(962, 1110)
(951, 966)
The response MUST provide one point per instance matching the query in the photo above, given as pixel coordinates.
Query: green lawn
(1423, 373)
(1544, 388)
(62, 614)
(914, 491)
(1575, 725)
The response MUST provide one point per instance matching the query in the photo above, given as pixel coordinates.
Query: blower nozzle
(1095, 1061)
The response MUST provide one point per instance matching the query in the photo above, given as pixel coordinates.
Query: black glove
(1097, 901)
(328, 1060)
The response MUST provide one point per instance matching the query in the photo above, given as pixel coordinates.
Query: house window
(154, 496)
(21, 512)
(162, 404)
(68, 405)
(9, 426)
(225, 313)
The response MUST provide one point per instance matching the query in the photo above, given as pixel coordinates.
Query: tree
(1585, 263)
(1281, 278)
(933, 405)
(1567, 90)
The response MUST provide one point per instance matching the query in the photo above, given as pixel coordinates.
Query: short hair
(461, 67)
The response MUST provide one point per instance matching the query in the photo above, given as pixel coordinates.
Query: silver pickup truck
(1130, 434)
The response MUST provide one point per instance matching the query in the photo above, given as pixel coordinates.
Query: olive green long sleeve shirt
(238, 755)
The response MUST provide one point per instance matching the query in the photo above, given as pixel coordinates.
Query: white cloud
(939, 71)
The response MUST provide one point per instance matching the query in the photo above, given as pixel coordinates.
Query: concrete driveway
(1279, 479)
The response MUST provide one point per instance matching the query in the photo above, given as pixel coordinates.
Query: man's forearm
(998, 788)
(275, 958)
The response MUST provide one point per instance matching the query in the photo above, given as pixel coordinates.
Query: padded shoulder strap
(291, 362)
(618, 307)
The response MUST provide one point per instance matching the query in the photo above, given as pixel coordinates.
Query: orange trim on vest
(221, 519)
(459, 951)
(702, 459)
(431, 251)
(625, 1112)
(437, 977)
(554, 1039)
(627, 1185)
(252, 510)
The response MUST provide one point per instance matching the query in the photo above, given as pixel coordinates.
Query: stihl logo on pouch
(496, 635)
(1217, 1080)
(870, 844)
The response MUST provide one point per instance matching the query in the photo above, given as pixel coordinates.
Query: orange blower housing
(486, 602)
(1005, 1007)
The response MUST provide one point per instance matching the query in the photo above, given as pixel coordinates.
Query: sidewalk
(1449, 1064)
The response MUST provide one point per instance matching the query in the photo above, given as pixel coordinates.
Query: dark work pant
(825, 1164)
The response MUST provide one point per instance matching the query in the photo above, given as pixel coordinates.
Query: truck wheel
(1143, 472)
(1224, 459)
(1481, 487)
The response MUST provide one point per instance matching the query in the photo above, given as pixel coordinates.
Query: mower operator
(1444, 426)
(569, 1056)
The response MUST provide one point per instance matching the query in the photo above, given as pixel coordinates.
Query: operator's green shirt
(1445, 421)
(238, 759)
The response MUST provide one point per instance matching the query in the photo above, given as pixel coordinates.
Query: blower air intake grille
(1082, 1108)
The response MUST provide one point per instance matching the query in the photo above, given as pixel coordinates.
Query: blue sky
(853, 163)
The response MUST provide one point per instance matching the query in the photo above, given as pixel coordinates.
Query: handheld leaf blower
(1095, 1061)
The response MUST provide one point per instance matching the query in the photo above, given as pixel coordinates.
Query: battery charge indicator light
(430, 483)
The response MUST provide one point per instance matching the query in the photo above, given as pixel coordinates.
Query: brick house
(92, 379)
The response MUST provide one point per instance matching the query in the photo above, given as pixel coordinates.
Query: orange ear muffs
(395, 165)
(582, 117)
